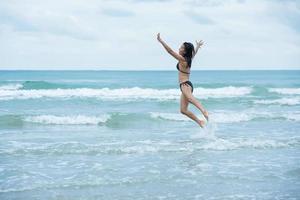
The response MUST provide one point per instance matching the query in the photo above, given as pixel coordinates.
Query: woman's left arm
(198, 45)
(169, 50)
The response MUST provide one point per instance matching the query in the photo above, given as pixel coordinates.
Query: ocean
(120, 135)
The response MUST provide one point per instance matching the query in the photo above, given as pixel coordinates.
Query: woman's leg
(187, 92)
(184, 110)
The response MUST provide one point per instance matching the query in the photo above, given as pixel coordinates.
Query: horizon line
(95, 68)
(129, 69)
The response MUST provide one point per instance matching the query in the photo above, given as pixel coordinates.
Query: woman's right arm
(169, 50)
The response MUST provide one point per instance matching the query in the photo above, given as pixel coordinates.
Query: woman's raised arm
(198, 45)
(169, 50)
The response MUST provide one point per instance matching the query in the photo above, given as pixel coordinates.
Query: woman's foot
(205, 113)
(202, 123)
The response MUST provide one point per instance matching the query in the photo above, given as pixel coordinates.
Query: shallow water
(120, 135)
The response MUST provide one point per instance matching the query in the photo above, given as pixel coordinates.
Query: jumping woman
(185, 56)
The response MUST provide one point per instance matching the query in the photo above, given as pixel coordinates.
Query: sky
(122, 34)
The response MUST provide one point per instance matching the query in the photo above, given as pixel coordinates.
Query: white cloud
(122, 34)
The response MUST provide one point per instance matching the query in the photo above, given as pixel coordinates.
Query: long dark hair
(189, 50)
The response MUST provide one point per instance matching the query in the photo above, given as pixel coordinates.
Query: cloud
(198, 18)
(143, 1)
(37, 18)
(213, 3)
(122, 34)
(287, 14)
(14, 21)
(117, 12)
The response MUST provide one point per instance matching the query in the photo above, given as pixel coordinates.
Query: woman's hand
(158, 37)
(199, 44)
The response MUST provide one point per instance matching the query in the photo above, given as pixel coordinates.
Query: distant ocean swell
(28, 85)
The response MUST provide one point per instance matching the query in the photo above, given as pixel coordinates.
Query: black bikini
(185, 82)
(180, 70)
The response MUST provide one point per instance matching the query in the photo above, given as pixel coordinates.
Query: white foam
(152, 146)
(123, 93)
(285, 90)
(216, 116)
(11, 87)
(293, 116)
(228, 116)
(213, 143)
(222, 144)
(208, 132)
(231, 117)
(67, 120)
(223, 92)
(282, 101)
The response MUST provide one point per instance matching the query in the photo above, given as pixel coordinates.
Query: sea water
(120, 135)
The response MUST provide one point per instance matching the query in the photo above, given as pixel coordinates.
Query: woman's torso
(183, 72)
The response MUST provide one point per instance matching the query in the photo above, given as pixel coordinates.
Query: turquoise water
(120, 135)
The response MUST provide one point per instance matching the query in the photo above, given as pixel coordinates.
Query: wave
(223, 92)
(215, 117)
(289, 91)
(16, 121)
(29, 85)
(122, 120)
(224, 116)
(16, 148)
(11, 86)
(222, 144)
(113, 120)
(293, 116)
(68, 120)
(282, 101)
(134, 93)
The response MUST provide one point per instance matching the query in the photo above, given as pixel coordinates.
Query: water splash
(208, 132)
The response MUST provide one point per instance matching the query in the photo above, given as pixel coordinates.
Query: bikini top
(177, 66)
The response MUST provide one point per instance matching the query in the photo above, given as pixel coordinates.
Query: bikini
(185, 82)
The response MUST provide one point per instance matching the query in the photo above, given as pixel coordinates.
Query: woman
(185, 56)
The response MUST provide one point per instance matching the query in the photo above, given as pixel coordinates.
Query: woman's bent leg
(184, 110)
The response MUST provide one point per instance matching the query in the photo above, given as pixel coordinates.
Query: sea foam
(223, 116)
(68, 120)
(289, 91)
(150, 146)
(281, 101)
(11, 87)
(124, 93)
